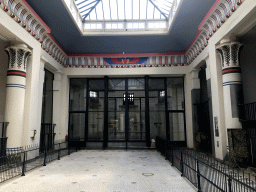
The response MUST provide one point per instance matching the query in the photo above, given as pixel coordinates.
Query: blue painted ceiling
(63, 29)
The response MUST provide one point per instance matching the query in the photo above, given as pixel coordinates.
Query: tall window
(47, 128)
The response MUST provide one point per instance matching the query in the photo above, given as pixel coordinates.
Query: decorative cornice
(152, 61)
(23, 14)
(215, 18)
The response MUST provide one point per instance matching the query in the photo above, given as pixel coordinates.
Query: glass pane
(116, 126)
(137, 126)
(157, 115)
(78, 94)
(77, 127)
(138, 105)
(116, 104)
(135, 84)
(116, 84)
(96, 84)
(47, 98)
(175, 94)
(177, 127)
(95, 125)
(96, 103)
(157, 124)
(155, 84)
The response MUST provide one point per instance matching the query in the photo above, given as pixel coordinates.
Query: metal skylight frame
(102, 17)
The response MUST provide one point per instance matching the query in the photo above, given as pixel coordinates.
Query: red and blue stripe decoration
(129, 60)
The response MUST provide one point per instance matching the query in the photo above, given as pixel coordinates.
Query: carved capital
(229, 54)
(18, 55)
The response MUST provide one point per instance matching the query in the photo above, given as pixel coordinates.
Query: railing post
(198, 176)
(24, 164)
(45, 155)
(181, 163)
(172, 155)
(165, 150)
(59, 152)
(230, 184)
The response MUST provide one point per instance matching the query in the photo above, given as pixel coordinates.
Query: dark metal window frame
(147, 123)
(51, 134)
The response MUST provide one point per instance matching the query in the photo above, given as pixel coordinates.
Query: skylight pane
(120, 25)
(150, 11)
(157, 14)
(106, 9)
(129, 10)
(99, 12)
(136, 9)
(108, 26)
(96, 12)
(156, 24)
(121, 9)
(143, 4)
(93, 15)
(113, 9)
(135, 25)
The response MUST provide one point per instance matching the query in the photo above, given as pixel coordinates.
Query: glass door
(126, 113)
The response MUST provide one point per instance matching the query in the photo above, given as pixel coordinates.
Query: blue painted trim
(16, 85)
(232, 83)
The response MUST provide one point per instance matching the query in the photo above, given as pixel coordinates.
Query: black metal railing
(248, 112)
(206, 173)
(17, 163)
(47, 136)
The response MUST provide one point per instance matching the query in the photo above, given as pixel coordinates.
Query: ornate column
(15, 93)
(232, 84)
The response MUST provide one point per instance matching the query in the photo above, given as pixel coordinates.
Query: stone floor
(103, 171)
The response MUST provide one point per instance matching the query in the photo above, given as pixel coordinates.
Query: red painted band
(15, 73)
(237, 70)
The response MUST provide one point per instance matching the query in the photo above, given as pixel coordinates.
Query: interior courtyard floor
(103, 171)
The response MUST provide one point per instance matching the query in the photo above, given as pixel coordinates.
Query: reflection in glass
(116, 84)
(175, 94)
(116, 126)
(78, 94)
(77, 127)
(137, 126)
(156, 115)
(136, 84)
(177, 128)
(95, 125)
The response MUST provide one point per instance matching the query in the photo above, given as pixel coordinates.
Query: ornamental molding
(20, 11)
(229, 54)
(18, 55)
(101, 62)
(216, 18)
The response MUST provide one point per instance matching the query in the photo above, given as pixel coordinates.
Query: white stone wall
(3, 75)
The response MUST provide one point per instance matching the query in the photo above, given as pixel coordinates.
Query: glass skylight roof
(122, 16)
